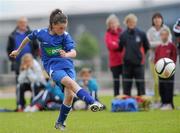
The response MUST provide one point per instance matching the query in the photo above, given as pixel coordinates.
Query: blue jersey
(50, 46)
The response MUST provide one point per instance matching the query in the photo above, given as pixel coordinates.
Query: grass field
(89, 122)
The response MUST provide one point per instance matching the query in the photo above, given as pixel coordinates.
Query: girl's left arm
(69, 47)
(69, 54)
(15, 53)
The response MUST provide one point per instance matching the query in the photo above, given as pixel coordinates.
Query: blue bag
(124, 105)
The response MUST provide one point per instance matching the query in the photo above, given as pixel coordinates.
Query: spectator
(89, 83)
(115, 56)
(154, 38)
(30, 78)
(176, 29)
(166, 86)
(136, 45)
(15, 39)
(49, 99)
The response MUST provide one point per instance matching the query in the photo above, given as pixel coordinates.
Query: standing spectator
(136, 45)
(166, 86)
(154, 38)
(30, 78)
(115, 56)
(176, 30)
(15, 39)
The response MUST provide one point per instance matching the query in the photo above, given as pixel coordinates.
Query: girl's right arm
(15, 53)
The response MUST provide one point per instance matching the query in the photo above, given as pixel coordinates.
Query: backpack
(124, 105)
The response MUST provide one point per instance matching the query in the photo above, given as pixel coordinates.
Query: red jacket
(168, 51)
(112, 40)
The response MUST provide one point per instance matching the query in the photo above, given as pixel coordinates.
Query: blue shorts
(58, 75)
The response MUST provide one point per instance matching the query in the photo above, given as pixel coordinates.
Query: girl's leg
(65, 108)
(81, 93)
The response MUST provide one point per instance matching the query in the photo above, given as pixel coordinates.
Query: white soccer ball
(165, 67)
(79, 105)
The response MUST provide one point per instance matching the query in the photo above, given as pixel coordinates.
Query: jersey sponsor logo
(51, 51)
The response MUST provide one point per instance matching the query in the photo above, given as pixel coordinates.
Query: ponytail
(57, 16)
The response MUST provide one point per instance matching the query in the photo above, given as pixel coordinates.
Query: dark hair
(157, 15)
(57, 16)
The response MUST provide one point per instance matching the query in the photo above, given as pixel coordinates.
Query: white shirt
(154, 39)
(32, 75)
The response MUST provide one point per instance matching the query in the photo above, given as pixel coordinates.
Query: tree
(87, 46)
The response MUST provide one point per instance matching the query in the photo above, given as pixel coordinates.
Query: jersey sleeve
(69, 43)
(34, 35)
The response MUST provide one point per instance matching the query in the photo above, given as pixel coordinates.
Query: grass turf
(89, 122)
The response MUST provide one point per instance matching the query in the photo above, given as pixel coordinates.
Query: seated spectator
(166, 86)
(49, 99)
(30, 78)
(89, 83)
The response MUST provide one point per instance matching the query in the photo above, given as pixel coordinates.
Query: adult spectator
(136, 45)
(154, 38)
(115, 56)
(176, 30)
(14, 40)
(30, 78)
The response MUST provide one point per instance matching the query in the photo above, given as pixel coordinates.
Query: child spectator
(89, 83)
(166, 49)
(30, 78)
(49, 99)
(153, 35)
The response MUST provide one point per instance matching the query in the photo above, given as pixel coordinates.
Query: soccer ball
(165, 67)
(79, 105)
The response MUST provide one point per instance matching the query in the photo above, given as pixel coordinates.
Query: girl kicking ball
(57, 49)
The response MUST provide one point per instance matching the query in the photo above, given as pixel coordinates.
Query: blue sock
(63, 113)
(85, 96)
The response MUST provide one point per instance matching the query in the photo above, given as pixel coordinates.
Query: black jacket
(135, 44)
(11, 44)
